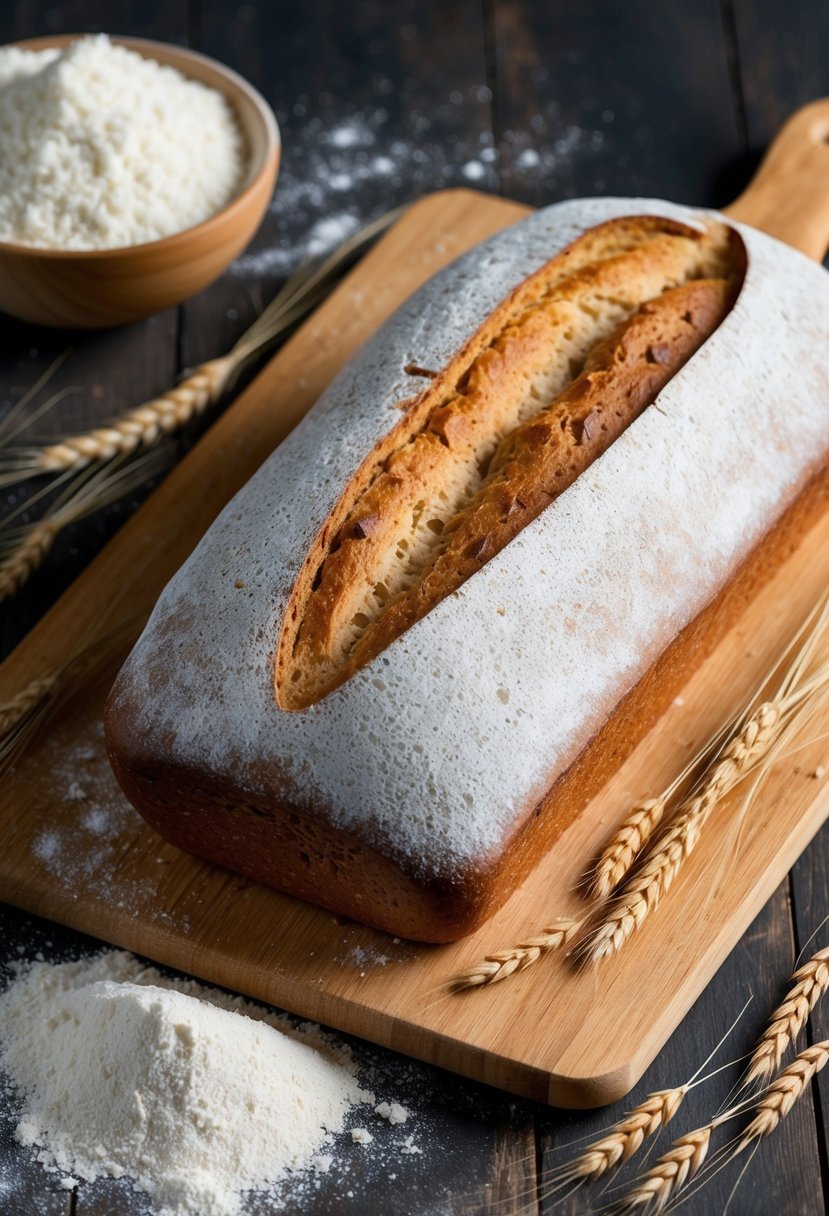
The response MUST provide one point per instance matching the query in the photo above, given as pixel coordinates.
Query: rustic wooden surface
(610, 98)
(599, 1034)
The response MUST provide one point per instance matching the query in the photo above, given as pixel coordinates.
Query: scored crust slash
(558, 371)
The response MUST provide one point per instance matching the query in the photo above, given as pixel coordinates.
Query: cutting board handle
(789, 195)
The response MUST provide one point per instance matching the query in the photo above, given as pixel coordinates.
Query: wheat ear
(644, 891)
(779, 1097)
(616, 859)
(502, 963)
(810, 983)
(618, 856)
(28, 699)
(24, 714)
(782, 1093)
(625, 1137)
(141, 426)
(654, 1190)
(27, 556)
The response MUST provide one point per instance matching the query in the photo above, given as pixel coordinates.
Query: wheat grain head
(810, 984)
(503, 963)
(645, 889)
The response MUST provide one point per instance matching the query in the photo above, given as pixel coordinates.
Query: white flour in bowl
(196, 1095)
(103, 148)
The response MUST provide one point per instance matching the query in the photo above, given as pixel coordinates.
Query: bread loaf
(417, 642)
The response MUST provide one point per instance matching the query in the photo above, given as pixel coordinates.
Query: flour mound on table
(183, 1091)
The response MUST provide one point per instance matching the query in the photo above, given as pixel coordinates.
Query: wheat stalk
(656, 1188)
(625, 1137)
(758, 732)
(10, 424)
(24, 548)
(635, 831)
(502, 963)
(27, 556)
(643, 892)
(659, 1186)
(621, 1141)
(22, 715)
(810, 983)
(139, 427)
(783, 1092)
(28, 699)
(25, 712)
(630, 838)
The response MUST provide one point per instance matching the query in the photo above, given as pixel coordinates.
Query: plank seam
(811, 1038)
(489, 27)
(735, 72)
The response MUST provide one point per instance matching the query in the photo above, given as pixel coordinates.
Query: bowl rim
(270, 154)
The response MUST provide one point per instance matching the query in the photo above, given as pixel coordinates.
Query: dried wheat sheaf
(758, 739)
(658, 1188)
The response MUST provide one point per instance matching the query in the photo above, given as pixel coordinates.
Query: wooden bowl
(102, 287)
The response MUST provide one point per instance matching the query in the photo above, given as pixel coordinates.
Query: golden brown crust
(435, 485)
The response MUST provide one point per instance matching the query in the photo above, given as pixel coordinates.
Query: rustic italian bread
(399, 731)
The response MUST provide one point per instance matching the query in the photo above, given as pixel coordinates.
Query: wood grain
(789, 196)
(602, 91)
(142, 894)
(400, 84)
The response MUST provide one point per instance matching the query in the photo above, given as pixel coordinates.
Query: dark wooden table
(379, 103)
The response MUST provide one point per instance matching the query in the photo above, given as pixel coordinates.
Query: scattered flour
(329, 232)
(96, 830)
(339, 168)
(367, 956)
(392, 1111)
(103, 148)
(195, 1095)
(528, 159)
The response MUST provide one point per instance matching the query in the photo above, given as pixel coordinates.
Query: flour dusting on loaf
(430, 759)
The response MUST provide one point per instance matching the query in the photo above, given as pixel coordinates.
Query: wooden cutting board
(71, 848)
